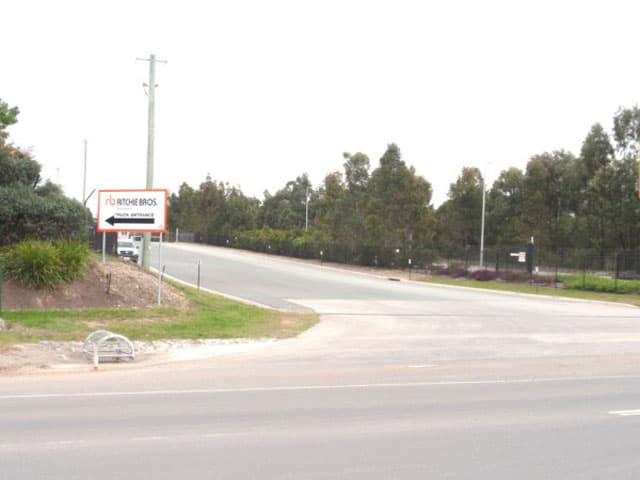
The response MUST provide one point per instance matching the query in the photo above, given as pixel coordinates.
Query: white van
(128, 249)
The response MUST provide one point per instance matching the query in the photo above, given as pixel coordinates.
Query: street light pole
(84, 189)
(306, 211)
(84, 178)
(482, 224)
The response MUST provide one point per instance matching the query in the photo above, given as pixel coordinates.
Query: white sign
(522, 256)
(139, 211)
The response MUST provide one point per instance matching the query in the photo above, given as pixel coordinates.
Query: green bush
(42, 264)
(34, 263)
(27, 214)
(600, 284)
(74, 258)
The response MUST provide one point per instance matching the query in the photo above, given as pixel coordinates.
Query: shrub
(516, 276)
(42, 264)
(543, 279)
(457, 272)
(34, 263)
(483, 275)
(26, 213)
(74, 258)
(453, 271)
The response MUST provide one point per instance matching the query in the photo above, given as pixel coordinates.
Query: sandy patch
(55, 356)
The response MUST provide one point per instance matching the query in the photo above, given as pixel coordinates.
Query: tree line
(587, 201)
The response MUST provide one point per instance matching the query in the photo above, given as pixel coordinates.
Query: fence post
(466, 261)
(617, 271)
(507, 267)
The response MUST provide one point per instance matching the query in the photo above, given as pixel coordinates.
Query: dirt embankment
(116, 283)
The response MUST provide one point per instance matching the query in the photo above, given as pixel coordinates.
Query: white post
(104, 247)
(160, 271)
(95, 356)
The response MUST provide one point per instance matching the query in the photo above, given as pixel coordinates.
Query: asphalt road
(398, 380)
(373, 321)
(547, 429)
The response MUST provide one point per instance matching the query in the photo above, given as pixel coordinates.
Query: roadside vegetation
(42, 264)
(599, 284)
(572, 286)
(31, 208)
(42, 232)
(210, 316)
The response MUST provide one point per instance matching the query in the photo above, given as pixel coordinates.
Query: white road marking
(625, 413)
(64, 442)
(294, 388)
(426, 365)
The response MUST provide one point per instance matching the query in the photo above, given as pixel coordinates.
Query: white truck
(128, 248)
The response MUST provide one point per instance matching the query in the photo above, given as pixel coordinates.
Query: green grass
(210, 316)
(599, 284)
(535, 290)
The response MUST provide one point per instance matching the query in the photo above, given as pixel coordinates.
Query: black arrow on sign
(113, 220)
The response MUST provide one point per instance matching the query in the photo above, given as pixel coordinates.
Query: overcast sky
(258, 92)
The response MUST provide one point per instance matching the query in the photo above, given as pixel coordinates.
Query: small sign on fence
(522, 256)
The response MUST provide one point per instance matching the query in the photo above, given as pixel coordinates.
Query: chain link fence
(505, 262)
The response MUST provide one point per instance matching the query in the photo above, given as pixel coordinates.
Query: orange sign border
(133, 190)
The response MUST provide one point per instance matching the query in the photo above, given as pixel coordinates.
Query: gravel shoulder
(52, 357)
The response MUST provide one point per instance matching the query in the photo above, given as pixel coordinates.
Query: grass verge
(210, 316)
(535, 290)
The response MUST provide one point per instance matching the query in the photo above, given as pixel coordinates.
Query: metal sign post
(160, 271)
